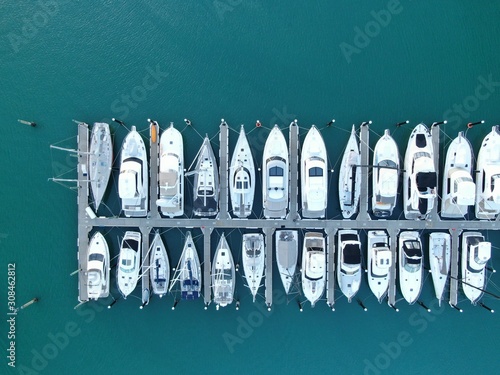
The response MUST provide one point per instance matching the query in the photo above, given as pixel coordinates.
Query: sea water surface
(384, 61)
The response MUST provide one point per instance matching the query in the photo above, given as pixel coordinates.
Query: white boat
(98, 267)
(411, 261)
(379, 263)
(439, 259)
(253, 259)
(159, 272)
(206, 182)
(171, 175)
(188, 271)
(129, 263)
(100, 161)
(223, 278)
(385, 176)
(275, 175)
(488, 177)
(459, 190)
(349, 262)
(475, 254)
(420, 177)
(350, 177)
(134, 176)
(242, 177)
(287, 251)
(313, 266)
(314, 175)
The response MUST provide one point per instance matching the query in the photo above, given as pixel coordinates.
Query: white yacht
(287, 252)
(253, 259)
(159, 272)
(475, 254)
(275, 175)
(439, 259)
(171, 175)
(488, 177)
(188, 271)
(411, 261)
(134, 176)
(420, 177)
(349, 262)
(242, 177)
(385, 176)
(459, 190)
(314, 175)
(100, 161)
(350, 177)
(313, 266)
(129, 263)
(379, 263)
(223, 278)
(98, 267)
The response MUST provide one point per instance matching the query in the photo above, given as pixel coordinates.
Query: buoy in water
(471, 124)
(258, 124)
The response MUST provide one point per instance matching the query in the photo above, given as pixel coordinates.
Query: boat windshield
(276, 172)
(352, 254)
(412, 259)
(97, 257)
(127, 265)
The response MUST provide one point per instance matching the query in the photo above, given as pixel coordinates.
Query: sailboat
(475, 254)
(459, 190)
(171, 175)
(313, 266)
(350, 177)
(188, 271)
(242, 177)
(160, 267)
(314, 177)
(97, 267)
(439, 259)
(349, 262)
(253, 258)
(129, 263)
(488, 176)
(100, 161)
(410, 265)
(287, 251)
(133, 181)
(379, 263)
(223, 276)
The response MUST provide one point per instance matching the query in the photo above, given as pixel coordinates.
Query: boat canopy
(412, 251)
(352, 254)
(464, 190)
(426, 181)
(96, 257)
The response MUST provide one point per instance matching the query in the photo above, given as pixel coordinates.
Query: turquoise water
(241, 60)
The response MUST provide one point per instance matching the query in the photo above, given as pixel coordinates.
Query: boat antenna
(472, 124)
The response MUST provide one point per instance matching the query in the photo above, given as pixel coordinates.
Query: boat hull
(253, 259)
(439, 259)
(473, 275)
(313, 267)
(129, 263)
(348, 262)
(159, 272)
(378, 263)
(410, 282)
(98, 267)
(100, 161)
(287, 251)
(242, 178)
(350, 178)
(206, 182)
(223, 275)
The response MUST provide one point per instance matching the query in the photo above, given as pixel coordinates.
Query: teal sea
(384, 61)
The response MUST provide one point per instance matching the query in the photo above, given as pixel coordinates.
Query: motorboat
(188, 271)
(313, 266)
(420, 177)
(459, 190)
(488, 177)
(275, 175)
(349, 262)
(439, 259)
(97, 267)
(253, 259)
(171, 175)
(314, 175)
(129, 263)
(100, 161)
(287, 251)
(411, 261)
(133, 181)
(385, 176)
(159, 272)
(475, 255)
(242, 177)
(223, 277)
(350, 177)
(379, 263)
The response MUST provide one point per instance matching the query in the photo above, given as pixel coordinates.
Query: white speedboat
(350, 177)
(129, 263)
(188, 271)
(459, 190)
(275, 175)
(385, 176)
(98, 267)
(287, 252)
(379, 263)
(349, 262)
(411, 261)
(475, 254)
(171, 175)
(420, 177)
(159, 272)
(313, 266)
(100, 161)
(134, 176)
(253, 259)
(439, 259)
(223, 278)
(314, 175)
(242, 177)
(488, 177)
